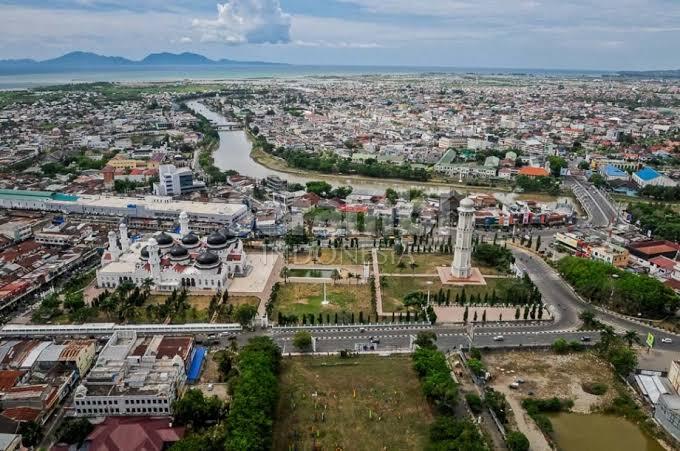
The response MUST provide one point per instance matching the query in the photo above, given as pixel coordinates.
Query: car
(375, 340)
(362, 330)
(666, 340)
(514, 385)
(520, 381)
(498, 338)
(585, 338)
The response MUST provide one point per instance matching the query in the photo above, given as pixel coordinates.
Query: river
(596, 432)
(234, 153)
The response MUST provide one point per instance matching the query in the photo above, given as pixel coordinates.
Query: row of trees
(247, 423)
(447, 431)
(547, 185)
(331, 163)
(625, 292)
(493, 255)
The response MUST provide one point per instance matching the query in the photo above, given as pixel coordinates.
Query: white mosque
(174, 261)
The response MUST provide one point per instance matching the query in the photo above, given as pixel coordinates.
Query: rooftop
(647, 174)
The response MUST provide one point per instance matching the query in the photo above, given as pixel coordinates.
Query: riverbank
(277, 164)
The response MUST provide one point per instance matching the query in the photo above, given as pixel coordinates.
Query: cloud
(185, 40)
(339, 44)
(246, 22)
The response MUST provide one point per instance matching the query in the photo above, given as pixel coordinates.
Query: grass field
(368, 403)
(334, 257)
(299, 298)
(395, 288)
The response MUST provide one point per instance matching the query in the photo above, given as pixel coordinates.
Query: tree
(517, 441)
(74, 431)
(588, 318)
(197, 410)
(538, 243)
(31, 433)
(517, 313)
(302, 340)
(284, 274)
(391, 195)
(556, 165)
(631, 337)
(560, 346)
(484, 316)
(623, 359)
(426, 339)
(245, 313)
(477, 367)
(361, 221)
(465, 314)
(475, 402)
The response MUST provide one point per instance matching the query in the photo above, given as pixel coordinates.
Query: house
(531, 171)
(125, 433)
(648, 176)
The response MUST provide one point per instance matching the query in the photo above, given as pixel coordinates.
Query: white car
(666, 340)
(498, 338)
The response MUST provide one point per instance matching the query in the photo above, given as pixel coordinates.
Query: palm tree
(401, 265)
(335, 276)
(284, 274)
(631, 337)
(607, 336)
(146, 287)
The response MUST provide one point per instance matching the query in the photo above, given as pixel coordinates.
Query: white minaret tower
(124, 240)
(154, 260)
(113, 246)
(184, 223)
(461, 267)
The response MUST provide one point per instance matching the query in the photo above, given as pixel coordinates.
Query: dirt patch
(547, 375)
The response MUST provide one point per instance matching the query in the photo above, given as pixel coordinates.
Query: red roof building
(127, 433)
(531, 171)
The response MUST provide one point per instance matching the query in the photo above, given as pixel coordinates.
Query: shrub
(594, 388)
(474, 401)
(517, 441)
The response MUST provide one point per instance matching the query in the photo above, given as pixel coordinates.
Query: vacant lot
(367, 403)
(306, 298)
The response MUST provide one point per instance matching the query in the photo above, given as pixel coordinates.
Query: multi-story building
(134, 376)
(667, 413)
(612, 254)
(175, 181)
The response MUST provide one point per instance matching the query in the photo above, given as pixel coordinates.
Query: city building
(611, 173)
(128, 433)
(149, 207)
(667, 413)
(134, 376)
(175, 181)
(174, 261)
(648, 176)
(610, 253)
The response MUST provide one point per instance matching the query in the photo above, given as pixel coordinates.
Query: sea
(237, 72)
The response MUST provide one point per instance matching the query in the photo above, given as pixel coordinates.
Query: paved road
(597, 205)
(567, 304)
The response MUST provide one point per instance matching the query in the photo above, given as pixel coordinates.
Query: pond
(596, 432)
(311, 272)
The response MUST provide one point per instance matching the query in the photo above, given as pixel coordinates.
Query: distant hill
(84, 61)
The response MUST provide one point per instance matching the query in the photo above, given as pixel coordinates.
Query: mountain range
(84, 61)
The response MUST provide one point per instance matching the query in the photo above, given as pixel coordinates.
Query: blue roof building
(610, 172)
(648, 176)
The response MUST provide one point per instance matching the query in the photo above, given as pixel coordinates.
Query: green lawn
(306, 298)
(395, 288)
(365, 403)
(333, 256)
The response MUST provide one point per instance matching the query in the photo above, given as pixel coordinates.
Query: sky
(558, 34)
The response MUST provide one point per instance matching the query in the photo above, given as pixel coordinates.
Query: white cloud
(185, 40)
(246, 22)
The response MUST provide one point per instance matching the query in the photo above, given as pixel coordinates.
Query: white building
(174, 181)
(133, 376)
(149, 207)
(461, 267)
(174, 261)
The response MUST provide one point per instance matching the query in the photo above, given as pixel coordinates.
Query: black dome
(207, 258)
(190, 239)
(216, 239)
(163, 239)
(145, 252)
(228, 234)
(178, 251)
